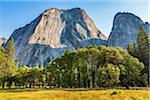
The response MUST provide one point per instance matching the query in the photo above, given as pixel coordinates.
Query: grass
(73, 94)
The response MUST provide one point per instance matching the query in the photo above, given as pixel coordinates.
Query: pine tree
(9, 69)
(143, 46)
(141, 50)
(2, 62)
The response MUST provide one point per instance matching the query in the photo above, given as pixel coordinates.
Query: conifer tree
(9, 69)
(141, 50)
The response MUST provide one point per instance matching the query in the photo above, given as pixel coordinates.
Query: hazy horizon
(16, 14)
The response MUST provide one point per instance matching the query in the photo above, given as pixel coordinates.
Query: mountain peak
(54, 31)
(124, 31)
(127, 15)
(76, 10)
(51, 10)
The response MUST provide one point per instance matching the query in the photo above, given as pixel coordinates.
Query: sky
(18, 13)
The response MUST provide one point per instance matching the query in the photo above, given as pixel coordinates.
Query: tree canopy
(96, 66)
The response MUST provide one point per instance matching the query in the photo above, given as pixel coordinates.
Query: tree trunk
(89, 83)
(15, 85)
(3, 84)
(84, 82)
(26, 86)
(127, 87)
(79, 83)
(30, 84)
(9, 84)
(93, 79)
(33, 84)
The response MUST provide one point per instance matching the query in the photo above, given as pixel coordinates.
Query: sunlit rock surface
(53, 32)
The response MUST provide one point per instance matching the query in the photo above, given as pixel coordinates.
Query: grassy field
(73, 94)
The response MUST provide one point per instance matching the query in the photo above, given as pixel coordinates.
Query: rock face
(147, 27)
(2, 41)
(93, 41)
(125, 29)
(54, 31)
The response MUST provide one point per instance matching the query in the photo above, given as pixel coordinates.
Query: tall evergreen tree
(2, 63)
(141, 50)
(9, 69)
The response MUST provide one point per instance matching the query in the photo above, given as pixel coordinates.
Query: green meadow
(74, 94)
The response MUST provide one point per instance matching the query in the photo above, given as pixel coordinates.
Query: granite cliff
(53, 32)
(125, 29)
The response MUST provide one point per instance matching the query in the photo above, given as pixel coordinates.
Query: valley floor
(74, 94)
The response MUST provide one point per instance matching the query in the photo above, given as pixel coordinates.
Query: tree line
(90, 67)
(94, 67)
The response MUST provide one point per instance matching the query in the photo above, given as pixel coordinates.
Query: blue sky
(18, 13)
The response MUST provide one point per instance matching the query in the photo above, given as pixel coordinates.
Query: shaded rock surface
(53, 32)
(92, 42)
(147, 27)
(125, 29)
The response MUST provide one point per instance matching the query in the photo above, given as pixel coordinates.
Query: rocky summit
(125, 29)
(53, 32)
